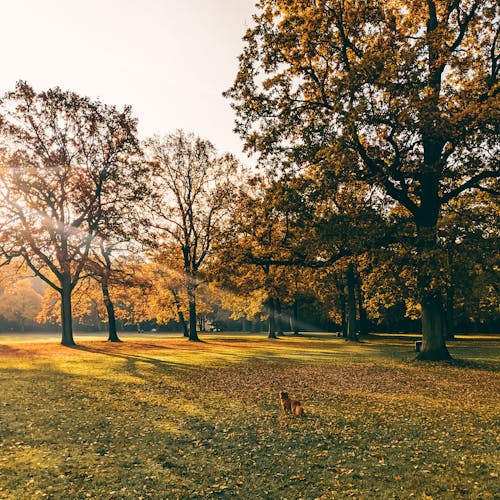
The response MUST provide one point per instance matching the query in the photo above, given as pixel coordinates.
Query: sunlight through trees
(373, 205)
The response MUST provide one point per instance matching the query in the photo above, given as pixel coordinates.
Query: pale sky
(169, 59)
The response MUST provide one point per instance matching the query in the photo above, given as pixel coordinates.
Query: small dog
(290, 405)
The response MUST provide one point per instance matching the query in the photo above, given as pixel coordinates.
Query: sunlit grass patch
(167, 418)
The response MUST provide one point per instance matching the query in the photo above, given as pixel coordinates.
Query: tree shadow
(133, 359)
(467, 364)
(11, 352)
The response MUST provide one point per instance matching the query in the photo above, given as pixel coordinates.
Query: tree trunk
(201, 327)
(351, 305)
(180, 314)
(279, 318)
(66, 317)
(427, 214)
(363, 321)
(193, 335)
(343, 314)
(433, 329)
(183, 322)
(271, 333)
(294, 318)
(110, 310)
(433, 314)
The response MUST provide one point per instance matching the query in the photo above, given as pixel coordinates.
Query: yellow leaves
(20, 302)
(149, 415)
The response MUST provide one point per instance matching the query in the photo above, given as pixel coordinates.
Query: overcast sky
(169, 59)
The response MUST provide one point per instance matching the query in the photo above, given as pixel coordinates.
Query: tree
(87, 307)
(19, 302)
(124, 231)
(170, 299)
(64, 160)
(282, 227)
(264, 235)
(469, 235)
(193, 188)
(106, 271)
(403, 95)
(132, 288)
(329, 286)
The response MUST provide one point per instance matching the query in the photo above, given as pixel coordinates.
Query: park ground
(157, 416)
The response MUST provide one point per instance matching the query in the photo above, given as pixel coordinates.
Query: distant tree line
(374, 204)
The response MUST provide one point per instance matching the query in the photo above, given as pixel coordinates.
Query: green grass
(166, 418)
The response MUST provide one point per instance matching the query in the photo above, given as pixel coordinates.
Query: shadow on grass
(132, 359)
(468, 364)
(216, 354)
(11, 352)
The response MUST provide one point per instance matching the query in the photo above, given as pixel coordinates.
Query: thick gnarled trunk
(431, 301)
(433, 329)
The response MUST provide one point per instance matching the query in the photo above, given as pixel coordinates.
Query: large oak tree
(400, 94)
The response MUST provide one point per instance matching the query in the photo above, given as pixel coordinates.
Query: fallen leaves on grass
(149, 421)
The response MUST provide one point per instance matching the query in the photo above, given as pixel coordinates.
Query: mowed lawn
(166, 418)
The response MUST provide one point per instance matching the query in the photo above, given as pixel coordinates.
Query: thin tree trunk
(271, 333)
(351, 305)
(363, 321)
(343, 314)
(183, 322)
(66, 317)
(110, 310)
(193, 335)
(294, 318)
(180, 314)
(279, 318)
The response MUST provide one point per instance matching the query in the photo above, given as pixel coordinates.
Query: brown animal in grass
(290, 405)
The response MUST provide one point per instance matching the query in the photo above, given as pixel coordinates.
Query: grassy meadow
(166, 418)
